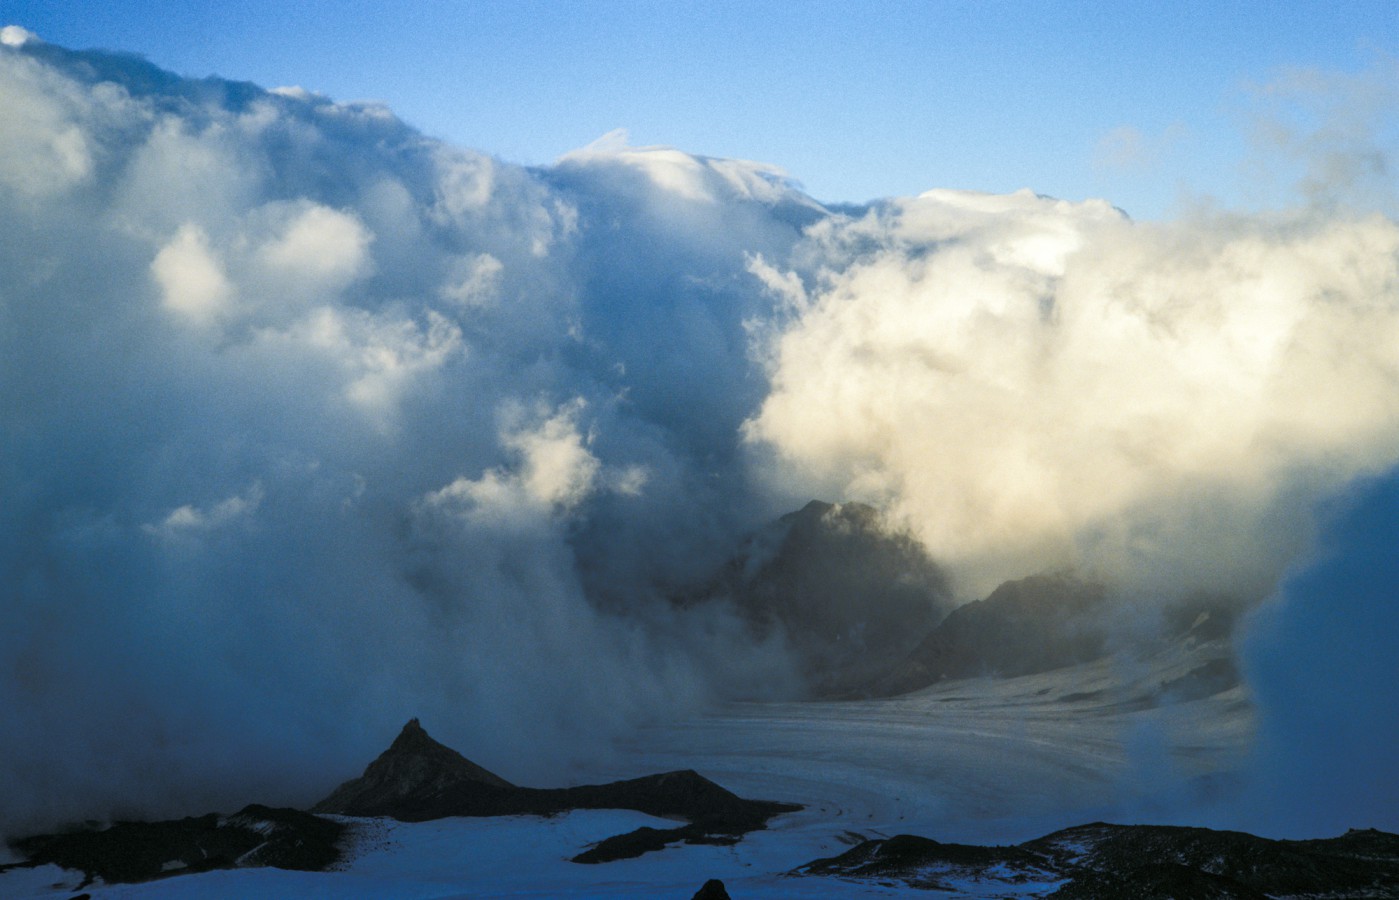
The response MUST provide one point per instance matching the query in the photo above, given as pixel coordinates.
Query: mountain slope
(1025, 626)
(1050, 621)
(851, 594)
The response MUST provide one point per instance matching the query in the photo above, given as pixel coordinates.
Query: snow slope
(974, 761)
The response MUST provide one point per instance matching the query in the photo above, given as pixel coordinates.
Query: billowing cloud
(319, 424)
(1031, 383)
(44, 142)
(313, 424)
(190, 278)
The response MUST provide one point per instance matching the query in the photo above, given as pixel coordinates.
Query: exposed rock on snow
(930, 865)
(1135, 861)
(137, 851)
(418, 779)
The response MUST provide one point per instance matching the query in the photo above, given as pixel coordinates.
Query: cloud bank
(313, 423)
(1031, 383)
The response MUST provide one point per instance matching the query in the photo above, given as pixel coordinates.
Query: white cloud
(373, 361)
(188, 519)
(15, 36)
(192, 281)
(321, 248)
(474, 280)
(42, 137)
(553, 471)
(1030, 383)
(684, 176)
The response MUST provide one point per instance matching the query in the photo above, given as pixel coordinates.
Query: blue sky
(1143, 103)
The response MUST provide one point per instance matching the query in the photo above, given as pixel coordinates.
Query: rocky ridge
(418, 779)
(140, 851)
(1051, 621)
(1134, 862)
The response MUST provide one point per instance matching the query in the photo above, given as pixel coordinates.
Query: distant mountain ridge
(851, 594)
(867, 612)
(1025, 626)
(1053, 620)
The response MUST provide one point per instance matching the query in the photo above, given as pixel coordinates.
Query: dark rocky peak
(713, 889)
(416, 756)
(415, 765)
(851, 593)
(818, 515)
(417, 779)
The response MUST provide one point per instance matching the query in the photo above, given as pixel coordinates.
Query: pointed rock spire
(414, 766)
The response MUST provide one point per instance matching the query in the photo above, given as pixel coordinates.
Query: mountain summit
(415, 766)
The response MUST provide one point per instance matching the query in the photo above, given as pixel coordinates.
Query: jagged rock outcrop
(139, 851)
(418, 779)
(1144, 862)
(926, 864)
(851, 594)
(413, 771)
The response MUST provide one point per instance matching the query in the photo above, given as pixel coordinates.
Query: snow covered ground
(974, 761)
(980, 761)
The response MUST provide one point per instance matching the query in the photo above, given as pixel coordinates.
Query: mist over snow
(312, 423)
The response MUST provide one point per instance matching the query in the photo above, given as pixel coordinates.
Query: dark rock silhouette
(927, 864)
(713, 890)
(139, 851)
(418, 779)
(852, 595)
(1138, 861)
(414, 780)
(415, 766)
